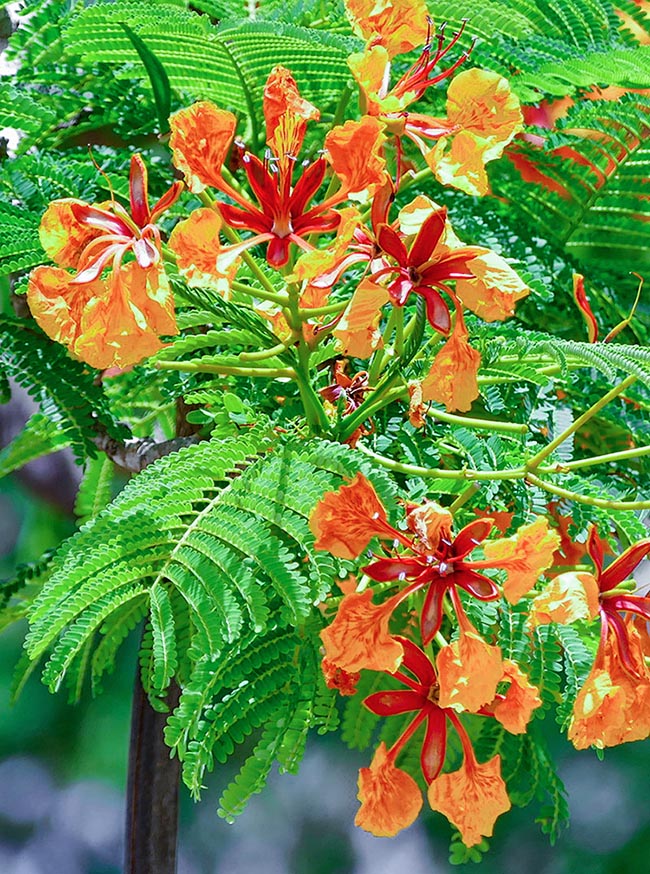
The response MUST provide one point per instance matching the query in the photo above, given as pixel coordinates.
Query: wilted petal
(523, 557)
(492, 295)
(390, 798)
(344, 522)
(337, 678)
(565, 599)
(514, 711)
(358, 637)
(200, 139)
(471, 798)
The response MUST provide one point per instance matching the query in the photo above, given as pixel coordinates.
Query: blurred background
(63, 767)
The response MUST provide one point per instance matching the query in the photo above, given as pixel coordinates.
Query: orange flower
(613, 706)
(486, 115)
(390, 798)
(354, 150)
(200, 139)
(523, 557)
(358, 330)
(469, 669)
(417, 407)
(494, 289)
(566, 598)
(452, 379)
(472, 798)
(345, 522)
(398, 25)
(359, 638)
(199, 255)
(515, 708)
(109, 318)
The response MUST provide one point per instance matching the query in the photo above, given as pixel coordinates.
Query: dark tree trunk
(152, 791)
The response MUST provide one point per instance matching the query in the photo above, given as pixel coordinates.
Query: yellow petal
(523, 557)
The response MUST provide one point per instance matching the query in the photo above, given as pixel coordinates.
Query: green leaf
(157, 76)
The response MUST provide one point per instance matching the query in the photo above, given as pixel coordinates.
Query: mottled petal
(524, 557)
(390, 798)
(469, 671)
(62, 235)
(354, 150)
(344, 522)
(286, 113)
(358, 330)
(398, 25)
(492, 295)
(515, 710)
(200, 139)
(471, 798)
(452, 380)
(359, 638)
(197, 247)
(565, 599)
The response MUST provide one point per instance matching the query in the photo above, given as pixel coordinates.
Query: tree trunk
(152, 791)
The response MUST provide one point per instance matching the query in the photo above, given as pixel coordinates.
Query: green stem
(562, 466)
(275, 297)
(264, 353)
(464, 497)
(331, 308)
(226, 370)
(379, 399)
(484, 424)
(534, 462)
(442, 473)
(603, 503)
(311, 401)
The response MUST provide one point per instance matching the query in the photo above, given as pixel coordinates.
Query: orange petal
(417, 407)
(429, 523)
(482, 104)
(452, 380)
(62, 236)
(354, 150)
(317, 262)
(200, 139)
(195, 242)
(150, 298)
(345, 522)
(521, 699)
(399, 25)
(337, 678)
(565, 599)
(471, 798)
(57, 305)
(523, 557)
(359, 638)
(281, 99)
(390, 798)
(462, 165)
(358, 331)
(371, 69)
(492, 295)
(469, 671)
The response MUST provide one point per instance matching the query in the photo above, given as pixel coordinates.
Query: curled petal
(345, 522)
(494, 291)
(62, 235)
(523, 557)
(430, 523)
(358, 330)
(354, 150)
(452, 380)
(390, 798)
(471, 798)
(281, 99)
(359, 638)
(469, 671)
(515, 709)
(337, 678)
(566, 598)
(200, 139)
(58, 305)
(398, 25)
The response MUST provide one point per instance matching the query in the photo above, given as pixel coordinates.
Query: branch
(134, 455)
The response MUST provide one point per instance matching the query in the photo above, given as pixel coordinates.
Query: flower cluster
(432, 571)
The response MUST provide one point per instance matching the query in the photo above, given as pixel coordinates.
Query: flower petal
(62, 235)
(200, 139)
(286, 113)
(354, 150)
(469, 670)
(344, 522)
(565, 599)
(523, 557)
(399, 25)
(195, 242)
(471, 798)
(493, 293)
(359, 637)
(358, 330)
(452, 380)
(515, 710)
(390, 798)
